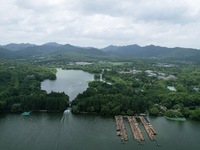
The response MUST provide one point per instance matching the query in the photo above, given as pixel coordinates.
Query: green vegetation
(107, 99)
(129, 87)
(195, 114)
(20, 88)
(137, 87)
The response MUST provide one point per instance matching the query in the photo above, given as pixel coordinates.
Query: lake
(43, 131)
(72, 82)
(57, 131)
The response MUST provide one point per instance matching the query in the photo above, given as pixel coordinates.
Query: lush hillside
(37, 51)
(20, 88)
(58, 51)
(68, 49)
(152, 51)
(4, 53)
(16, 47)
(129, 91)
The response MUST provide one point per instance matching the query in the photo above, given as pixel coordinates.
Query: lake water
(56, 131)
(71, 82)
(45, 131)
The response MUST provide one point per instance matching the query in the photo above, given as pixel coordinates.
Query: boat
(66, 111)
(176, 118)
(119, 133)
(26, 113)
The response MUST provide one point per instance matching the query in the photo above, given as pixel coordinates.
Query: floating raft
(120, 128)
(148, 127)
(137, 133)
(117, 123)
(135, 129)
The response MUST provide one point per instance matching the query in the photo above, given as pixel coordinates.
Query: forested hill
(152, 51)
(65, 51)
(4, 53)
(47, 50)
(16, 47)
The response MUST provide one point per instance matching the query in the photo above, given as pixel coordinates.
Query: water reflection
(72, 82)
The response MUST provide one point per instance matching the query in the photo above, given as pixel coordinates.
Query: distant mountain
(37, 50)
(110, 48)
(16, 47)
(66, 49)
(53, 49)
(4, 53)
(52, 44)
(152, 51)
(57, 51)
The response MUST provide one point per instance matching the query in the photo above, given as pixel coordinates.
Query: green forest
(127, 88)
(141, 87)
(20, 88)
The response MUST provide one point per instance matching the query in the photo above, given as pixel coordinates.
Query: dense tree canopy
(20, 88)
(135, 87)
(129, 88)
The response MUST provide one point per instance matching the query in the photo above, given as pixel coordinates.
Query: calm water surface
(49, 131)
(85, 132)
(71, 82)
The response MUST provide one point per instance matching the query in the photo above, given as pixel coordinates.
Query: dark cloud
(101, 22)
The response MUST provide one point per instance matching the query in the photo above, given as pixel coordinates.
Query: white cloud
(100, 23)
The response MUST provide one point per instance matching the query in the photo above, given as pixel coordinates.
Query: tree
(130, 112)
(2, 105)
(16, 107)
(169, 113)
(154, 111)
(195, 114)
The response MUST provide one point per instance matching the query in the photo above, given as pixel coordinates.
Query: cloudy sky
(100, 23)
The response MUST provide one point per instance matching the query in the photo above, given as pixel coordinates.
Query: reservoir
(66, 131)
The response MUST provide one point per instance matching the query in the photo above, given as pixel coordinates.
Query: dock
(120, 128)
(117, 123)
(148, 127)
(135, 129)
(137, 133)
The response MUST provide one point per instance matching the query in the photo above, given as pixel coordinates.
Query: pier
(120, 128)
(117, 123)
(148, 127)
(135, 129)
(137, 133)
